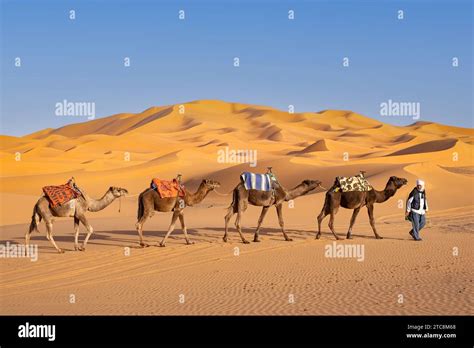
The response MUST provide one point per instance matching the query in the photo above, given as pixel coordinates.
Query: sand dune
(128, 149)
(430, 146)
(319, 145)
(161, 141)
(460, 170)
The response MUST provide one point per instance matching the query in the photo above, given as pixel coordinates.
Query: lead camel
(356, 200)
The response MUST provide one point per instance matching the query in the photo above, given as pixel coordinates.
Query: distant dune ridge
(128, 149)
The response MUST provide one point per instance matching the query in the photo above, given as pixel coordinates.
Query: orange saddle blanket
(167, 188)
(61, 194)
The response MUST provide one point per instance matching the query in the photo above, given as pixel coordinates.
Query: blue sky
(282, 62)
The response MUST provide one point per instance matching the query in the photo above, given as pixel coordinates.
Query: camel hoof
(256, 240)
(61, 251)
(349, 236)
(289, 239)
(378, 237)
(318, 236)
(189, 242)
(245, 241)
(161, 245)
(144, 245)
(339, 238)
(224, 239)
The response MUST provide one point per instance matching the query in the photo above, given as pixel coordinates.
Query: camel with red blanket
(69, 201)
(167, 196)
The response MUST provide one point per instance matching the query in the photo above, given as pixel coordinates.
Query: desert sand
(114, 276)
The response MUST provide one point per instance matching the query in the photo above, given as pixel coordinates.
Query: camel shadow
(373, 237)
(153, 235)
(20, 241)
(272, 233)
(126, 238)
(275, 233)
(10, 241)
(97, 235)
(356, 236)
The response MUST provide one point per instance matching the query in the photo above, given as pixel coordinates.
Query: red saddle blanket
(167, 188)
(61, 194)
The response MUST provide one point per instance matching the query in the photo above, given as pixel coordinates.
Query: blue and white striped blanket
(261, 182)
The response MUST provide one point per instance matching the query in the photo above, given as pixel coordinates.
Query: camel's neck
(99, 204)
(196, 197)
(389, 191)
(295, 192)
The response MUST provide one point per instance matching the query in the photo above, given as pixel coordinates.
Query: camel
(75, 208)
(242, 197)
(150, 201)
(356, 200)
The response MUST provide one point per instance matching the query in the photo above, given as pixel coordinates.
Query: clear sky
(282, 61)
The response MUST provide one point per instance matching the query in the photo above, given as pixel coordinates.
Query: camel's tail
(235, 202)
(140, 207)
(35, 218)
(327, 201)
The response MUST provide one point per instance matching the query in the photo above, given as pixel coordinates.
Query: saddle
(168, 188)
(61, 194)
(352, 183)
(260, 182)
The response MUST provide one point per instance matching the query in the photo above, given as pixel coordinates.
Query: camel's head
(118, 191)
(398, 182)
(309, 185)
(211, 184)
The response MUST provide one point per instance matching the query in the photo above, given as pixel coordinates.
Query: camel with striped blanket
(241, 197)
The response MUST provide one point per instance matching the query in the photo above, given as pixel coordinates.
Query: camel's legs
(227, 218)
(139, 226)
(260, 220)
(331, 224)
(27, 238)
(140, 235)
(49, 235)
(237, 224)
(321, 217)
(279, 209)
(370, 210)
(27, 241)
(28, 232)
(353, 219)
(76, 233)
(89, 229)
(183, 226)
(324, 212)
(171, 228)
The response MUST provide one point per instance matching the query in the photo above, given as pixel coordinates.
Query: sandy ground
(232, 278)
(114, 276)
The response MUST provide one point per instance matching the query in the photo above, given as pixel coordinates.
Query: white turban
(420, 182)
